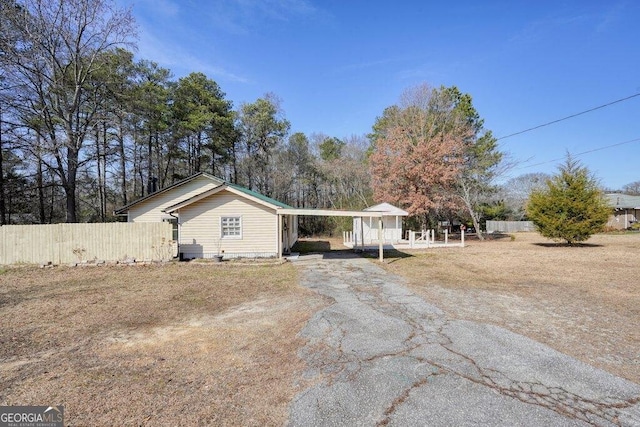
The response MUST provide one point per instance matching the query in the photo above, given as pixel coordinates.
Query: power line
(582, 153)
(570, 117)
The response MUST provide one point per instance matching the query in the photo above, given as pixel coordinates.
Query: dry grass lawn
(583, 301)
(202, 344)
(179, 344)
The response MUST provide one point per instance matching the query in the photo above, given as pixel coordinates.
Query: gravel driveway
(380, 355)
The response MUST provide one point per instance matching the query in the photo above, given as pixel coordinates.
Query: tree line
(86, 128)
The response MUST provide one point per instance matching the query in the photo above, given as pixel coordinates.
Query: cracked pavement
(379, 355)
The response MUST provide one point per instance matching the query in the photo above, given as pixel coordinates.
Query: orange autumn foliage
(418, 153)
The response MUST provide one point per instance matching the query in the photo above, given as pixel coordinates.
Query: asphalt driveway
(381, 355)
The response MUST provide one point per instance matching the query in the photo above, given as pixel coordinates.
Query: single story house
(367, 227)
(626, 210)
(213, 217)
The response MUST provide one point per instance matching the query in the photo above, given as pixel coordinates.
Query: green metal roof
(258, 196)
(623, 201)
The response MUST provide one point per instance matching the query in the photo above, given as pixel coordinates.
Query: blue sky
(336, 64)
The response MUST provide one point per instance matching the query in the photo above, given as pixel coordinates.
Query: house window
(231, 227)
(174, 227)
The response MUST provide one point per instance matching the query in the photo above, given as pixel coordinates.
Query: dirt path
(381, 355)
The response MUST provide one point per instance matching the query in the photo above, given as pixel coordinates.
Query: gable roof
(259, 196)
(387, 208)
(233, 188)
(123, 210)
(623, 201)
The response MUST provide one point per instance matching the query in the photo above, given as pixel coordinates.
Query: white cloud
(535, 30)
(179, 60)
(165, 8)
(242, 16)
(182, 35)
(610, 17)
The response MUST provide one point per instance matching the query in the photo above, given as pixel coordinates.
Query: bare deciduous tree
(632, 188)
(53, 61)
(516, 191)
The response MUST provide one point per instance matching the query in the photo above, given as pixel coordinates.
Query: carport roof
(329, 212)
(388, 209)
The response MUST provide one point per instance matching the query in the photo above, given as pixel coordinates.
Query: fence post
(446, 236)
(462, 239)
(380, 240)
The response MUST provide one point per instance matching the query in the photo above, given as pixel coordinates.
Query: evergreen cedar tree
(572, 207)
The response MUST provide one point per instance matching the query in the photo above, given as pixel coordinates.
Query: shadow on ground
(390, 255)
(323, 247)
(566, 245)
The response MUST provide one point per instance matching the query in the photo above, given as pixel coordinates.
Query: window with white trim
(231, 227)
(174, 227)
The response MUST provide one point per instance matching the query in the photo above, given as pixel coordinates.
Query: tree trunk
(70, 193)
(69, 184)
(149, 163)
(213, 161)
(234, 161)
(476, 226)
(105, 153)
(123, 163)
(99, 165)
(138, 178)
(198, 156)
(40, 184)
(472, 212)
(3, 207)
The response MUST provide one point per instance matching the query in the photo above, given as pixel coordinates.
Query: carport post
(380, 240)
(279, 234)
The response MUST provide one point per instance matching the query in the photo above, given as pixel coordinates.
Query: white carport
(330, 212)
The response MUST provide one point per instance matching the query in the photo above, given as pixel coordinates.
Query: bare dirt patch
(179, 344)
(583, 301)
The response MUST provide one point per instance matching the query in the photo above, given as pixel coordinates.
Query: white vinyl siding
(201, 227)
(151, 210)
(391, 229)
(231, 227)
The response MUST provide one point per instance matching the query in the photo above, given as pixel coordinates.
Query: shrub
(572, 207)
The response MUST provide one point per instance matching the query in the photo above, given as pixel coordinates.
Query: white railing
(417, 239)
(428, 238)
(347, 237)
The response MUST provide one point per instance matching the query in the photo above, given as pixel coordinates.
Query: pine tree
(572, 207)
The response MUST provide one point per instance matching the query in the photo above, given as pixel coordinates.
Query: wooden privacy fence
(69, 243)
(509, 226)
